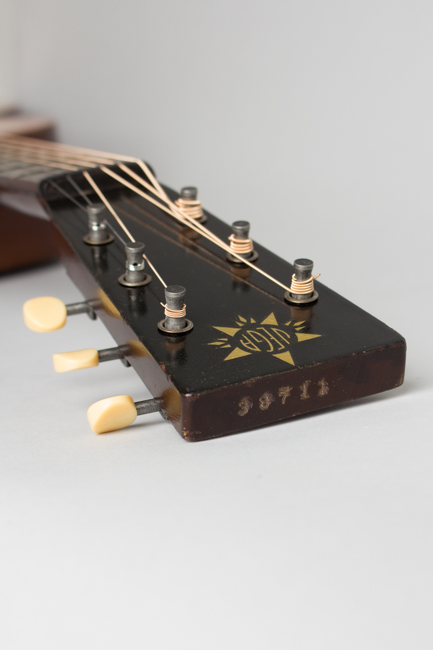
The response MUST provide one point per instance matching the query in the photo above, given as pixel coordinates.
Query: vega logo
(267, 336)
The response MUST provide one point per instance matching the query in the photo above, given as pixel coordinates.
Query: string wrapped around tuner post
(241, 246)
(191, 207)
(303, 287)
(174, 313)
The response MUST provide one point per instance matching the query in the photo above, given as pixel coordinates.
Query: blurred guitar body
(25, 240)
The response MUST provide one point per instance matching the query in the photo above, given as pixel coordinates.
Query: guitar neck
(25, 241)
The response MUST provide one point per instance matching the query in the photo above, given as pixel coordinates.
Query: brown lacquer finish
(251, 359)
(26, 240)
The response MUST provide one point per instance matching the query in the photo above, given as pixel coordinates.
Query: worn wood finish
(251, 358)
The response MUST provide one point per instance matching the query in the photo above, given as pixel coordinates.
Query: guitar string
(42, 160)
(71, 198)
(119, 221)
(90, 157)
(188, 221)
(68, 196)
(79, 190)
(204, 253)
(173, 210)
(53, 149)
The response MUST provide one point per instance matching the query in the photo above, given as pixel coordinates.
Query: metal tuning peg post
(302, 289)
(241, 243)
(175, 321)
(98, 234)
(190, 204)
(89, 358)
(47, 314)
(118, 412)
(135, 275)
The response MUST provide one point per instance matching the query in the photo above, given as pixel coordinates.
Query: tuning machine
(47, 314)
(89, 358)
(118, 412)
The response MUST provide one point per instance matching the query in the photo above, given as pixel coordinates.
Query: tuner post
(190, 203)
(302, 289)
(241, 243)
(98, 234)
(175, 321)
(135, 275)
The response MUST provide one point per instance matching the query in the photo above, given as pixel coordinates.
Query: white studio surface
(313, 121)
(314, 533)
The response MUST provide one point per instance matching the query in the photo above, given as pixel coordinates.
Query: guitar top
(225, 335)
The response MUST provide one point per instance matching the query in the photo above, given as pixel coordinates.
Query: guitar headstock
(225, 335)
(259, 341)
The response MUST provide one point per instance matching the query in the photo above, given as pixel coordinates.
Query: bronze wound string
(84, 157)
(188, 221)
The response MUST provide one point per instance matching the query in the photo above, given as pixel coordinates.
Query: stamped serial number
(283, 394)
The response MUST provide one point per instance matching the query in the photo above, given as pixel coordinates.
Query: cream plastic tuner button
(79, 359)
(45, 314)
(112, 413)
(76, 360)
(118, 412)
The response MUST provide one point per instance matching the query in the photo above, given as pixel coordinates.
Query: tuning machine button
(47, 314)
(118, 412)
(89, 358)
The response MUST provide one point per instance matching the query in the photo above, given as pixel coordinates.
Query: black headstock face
(245, 334)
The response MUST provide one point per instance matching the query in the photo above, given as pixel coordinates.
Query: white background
(312, 120)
